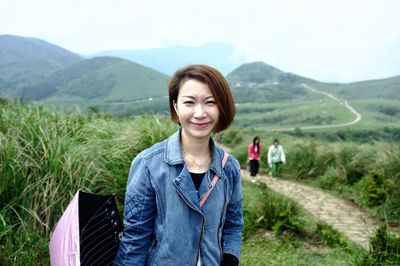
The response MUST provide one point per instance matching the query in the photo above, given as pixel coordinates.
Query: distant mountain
(167, 60)
(260, 82)
(100, 79)
(24, 61)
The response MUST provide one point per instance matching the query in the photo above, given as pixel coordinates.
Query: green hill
(269, 98)
(259, 72)
(24, 61)
(388, 88)
(259, 82)
(100, 79)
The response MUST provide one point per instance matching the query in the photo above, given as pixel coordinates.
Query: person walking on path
(276, 157)
(254, 152)
(183, 201)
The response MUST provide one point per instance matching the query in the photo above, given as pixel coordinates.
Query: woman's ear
(175, 106)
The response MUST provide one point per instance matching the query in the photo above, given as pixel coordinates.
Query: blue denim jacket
(164, 223)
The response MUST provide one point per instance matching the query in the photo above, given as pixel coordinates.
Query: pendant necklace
(200, 166)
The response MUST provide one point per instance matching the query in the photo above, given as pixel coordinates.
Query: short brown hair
(219, 88)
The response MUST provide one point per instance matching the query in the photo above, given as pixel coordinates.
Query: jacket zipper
(202, 225)
(223, 220)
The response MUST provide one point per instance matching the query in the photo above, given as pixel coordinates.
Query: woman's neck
(197, 147)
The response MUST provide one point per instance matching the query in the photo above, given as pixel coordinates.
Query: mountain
(167, 60)
(261, 82)
(100, 79)
(24, 61)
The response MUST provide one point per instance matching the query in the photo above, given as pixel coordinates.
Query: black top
(197, 178)
(229, 260)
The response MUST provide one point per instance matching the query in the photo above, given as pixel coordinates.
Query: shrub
(384, 248)
(268, 210)
(373, 191)
(330, 236)
(331, 179)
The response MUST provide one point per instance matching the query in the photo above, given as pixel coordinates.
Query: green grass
(292, 114)
(266, 250)
(46, 156)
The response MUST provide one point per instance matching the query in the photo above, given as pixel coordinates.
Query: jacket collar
(173, 153)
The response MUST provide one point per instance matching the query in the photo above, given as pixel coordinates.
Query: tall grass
(45, 157)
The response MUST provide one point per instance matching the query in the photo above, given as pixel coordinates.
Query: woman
(276, 157)
(254, 152)
(165, 223)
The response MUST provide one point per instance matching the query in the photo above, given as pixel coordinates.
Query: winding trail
(357, 119)
(348, 219)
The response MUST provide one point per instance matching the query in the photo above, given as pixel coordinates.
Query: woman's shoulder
(151, 152)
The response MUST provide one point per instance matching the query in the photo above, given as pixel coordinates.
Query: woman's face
(196, 108)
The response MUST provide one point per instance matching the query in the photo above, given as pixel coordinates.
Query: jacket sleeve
(140, 209)
(232, 230)
(270, 155)
(283, 157)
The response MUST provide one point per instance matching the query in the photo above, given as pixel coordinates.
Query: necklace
(200, 165)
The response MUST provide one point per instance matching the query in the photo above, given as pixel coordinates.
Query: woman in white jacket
(276, 157)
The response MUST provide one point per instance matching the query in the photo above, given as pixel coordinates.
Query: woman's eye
(210, 102)
(188, 102)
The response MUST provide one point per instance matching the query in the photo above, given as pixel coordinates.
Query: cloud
(327, 40)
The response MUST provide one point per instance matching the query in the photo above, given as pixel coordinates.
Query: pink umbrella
(87, 232)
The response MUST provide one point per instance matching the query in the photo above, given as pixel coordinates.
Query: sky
(327, 40)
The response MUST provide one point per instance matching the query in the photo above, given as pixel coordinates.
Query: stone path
(358, 226)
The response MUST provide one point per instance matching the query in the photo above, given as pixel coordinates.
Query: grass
(292, 114)
(45, 157)
(265, 249)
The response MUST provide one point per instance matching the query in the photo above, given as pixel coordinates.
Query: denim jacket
(164, 223)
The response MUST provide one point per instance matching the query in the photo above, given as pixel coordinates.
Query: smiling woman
(183, 201)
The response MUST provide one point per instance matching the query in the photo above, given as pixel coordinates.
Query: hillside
(260, 82)
(388, 88)
(271, 99)
(100, 79)
(24, 61)
(168, 59)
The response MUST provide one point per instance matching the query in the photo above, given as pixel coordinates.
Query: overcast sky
(328, 40)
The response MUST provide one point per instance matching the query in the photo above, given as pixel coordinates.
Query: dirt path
(341, 215)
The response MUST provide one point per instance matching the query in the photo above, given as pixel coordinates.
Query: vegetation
(384, 248)
(277, 232)
(46, 156)
(366, 173)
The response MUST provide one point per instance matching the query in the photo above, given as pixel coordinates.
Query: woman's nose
(199, 111)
